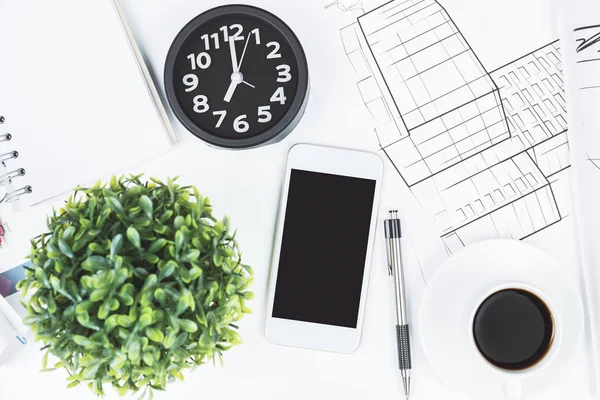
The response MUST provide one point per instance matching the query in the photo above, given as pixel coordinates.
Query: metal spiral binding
(15, 194)
(9, 176)
(6, 178)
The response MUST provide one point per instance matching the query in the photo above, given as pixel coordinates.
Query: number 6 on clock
(240, 125)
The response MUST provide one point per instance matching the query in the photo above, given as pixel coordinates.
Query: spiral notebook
(73, 98)
(10, 178)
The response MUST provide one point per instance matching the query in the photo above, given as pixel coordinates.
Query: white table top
(246, 186)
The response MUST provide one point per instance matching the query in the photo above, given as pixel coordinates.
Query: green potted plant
(134, 283)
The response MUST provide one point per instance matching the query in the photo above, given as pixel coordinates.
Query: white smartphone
(323, 248)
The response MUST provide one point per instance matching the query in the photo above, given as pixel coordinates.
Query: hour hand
(230, 91)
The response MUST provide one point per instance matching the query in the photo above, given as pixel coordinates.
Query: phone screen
(324, 248)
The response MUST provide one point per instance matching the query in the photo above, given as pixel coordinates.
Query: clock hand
(234, 84)
(234, 63)
(230, 91)
(236, 77)
(244, 52)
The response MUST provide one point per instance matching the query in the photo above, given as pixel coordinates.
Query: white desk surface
(246, 185)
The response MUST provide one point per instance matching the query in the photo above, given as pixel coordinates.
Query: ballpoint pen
(393, 234)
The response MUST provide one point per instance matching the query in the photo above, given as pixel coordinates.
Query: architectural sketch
(347, 5)
(481, 150)
(595, 161)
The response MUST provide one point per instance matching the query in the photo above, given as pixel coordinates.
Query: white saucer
(468, 277)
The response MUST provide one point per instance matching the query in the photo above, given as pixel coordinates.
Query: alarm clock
(236, 76)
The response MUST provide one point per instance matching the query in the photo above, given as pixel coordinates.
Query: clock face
(236, 74)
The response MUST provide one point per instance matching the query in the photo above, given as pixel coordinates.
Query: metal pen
(393, 234)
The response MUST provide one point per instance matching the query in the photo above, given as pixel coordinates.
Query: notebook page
(70, 86)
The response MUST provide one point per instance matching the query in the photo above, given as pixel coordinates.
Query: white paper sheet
(581, 22)
(72, 94)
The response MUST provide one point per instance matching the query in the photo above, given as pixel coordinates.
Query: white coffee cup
(454, 295)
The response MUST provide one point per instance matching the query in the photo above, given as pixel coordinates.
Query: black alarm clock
(236, 76)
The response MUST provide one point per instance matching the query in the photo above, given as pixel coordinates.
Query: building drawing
(479, 149)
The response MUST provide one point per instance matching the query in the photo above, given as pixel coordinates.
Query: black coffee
(513, 329)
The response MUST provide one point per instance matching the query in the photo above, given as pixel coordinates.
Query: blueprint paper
(474, 121)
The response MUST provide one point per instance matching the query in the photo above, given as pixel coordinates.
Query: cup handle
(513, 389)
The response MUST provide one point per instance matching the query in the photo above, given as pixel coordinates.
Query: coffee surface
(513, 329)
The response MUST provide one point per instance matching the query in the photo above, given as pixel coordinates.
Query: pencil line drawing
(347, 5)
(595, 161)
(481, 150)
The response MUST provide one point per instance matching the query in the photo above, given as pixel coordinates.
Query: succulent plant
(134, 283)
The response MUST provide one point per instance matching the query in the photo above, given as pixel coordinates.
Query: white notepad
(72, 95)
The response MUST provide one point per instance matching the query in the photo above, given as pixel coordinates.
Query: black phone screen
(324, 248)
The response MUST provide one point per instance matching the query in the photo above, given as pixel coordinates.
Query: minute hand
(234, 63)
(244, 52)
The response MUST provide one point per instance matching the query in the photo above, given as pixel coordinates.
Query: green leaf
(115, 204)
(146, 205)
(94, 263)
(179, 241)
(179, 222)
(157, 245)
(188, 326)
(145, 320)
(83, 307)
(104, 310)
(192, 255)
(115, 245)
(110, 323)
(167, 271)
(68, 234)
(65, 248)
(148, 359)
(45, 359)
(99, 294)
(134, 351)
(195, 273)
(81, 340)
(151, 258)
(134, 237)
(161, 296)
(155, 335)
(83, 318)
(169, 340)
(181, 339)
(55, 283)
(230, 289)
(124, 321)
